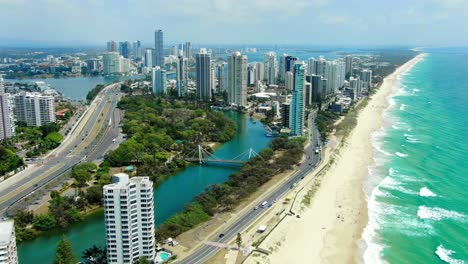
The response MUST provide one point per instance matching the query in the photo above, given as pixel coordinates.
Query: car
(221, 235)
(256, 207)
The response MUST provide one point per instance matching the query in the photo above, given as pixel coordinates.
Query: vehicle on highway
(256, 207)
(113, 140)
(221, 235)
(264, 204)
(317, 150)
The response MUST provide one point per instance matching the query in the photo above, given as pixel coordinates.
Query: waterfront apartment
(7, 120)
(8, 253)
(34, 109)
(129, 215)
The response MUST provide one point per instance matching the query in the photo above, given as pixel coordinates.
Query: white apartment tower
(34, 109)
(8, 253)
(237, 79)
(271, 67)
(129, 215)
(7, 119)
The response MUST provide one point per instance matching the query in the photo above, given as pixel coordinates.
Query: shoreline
(330, 229)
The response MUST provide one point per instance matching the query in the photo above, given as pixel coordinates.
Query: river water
(170, 196)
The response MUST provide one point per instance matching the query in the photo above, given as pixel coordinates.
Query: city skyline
(405, 23)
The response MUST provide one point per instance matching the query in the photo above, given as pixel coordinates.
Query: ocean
(417, 188)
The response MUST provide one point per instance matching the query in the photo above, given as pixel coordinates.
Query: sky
(284, 22)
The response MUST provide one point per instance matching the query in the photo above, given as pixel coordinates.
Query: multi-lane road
(90, 137)
(203, 253)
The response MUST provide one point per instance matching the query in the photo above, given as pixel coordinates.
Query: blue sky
(312, 22)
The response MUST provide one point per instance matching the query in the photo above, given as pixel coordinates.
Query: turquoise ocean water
(418, 186)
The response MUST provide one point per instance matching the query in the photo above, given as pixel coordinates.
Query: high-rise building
(308, 93)
(271, 67)
(289, 62)
(285, 111)
(137, 50)
(260, 69)
(311, 66)
(149, 58)
(125, 49)
(296, 116)
(174, 51)
(282, 67)
(289, 81)
(8, 253)
(366, 76)
(158, 48)
(203, 73)
(7, 119)
(182, 76)
(92, 65)
(222, 73)
(188, 50)
(349, 66)
(124, 65)
(34, 109)
(111, 46)
(316, 83)
(159, 81)
(251, 74)
(129, 215)
(237, 79)
(111, 63)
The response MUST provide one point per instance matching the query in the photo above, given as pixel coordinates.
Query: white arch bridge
(202, 156)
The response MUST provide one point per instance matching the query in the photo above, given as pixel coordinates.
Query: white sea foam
(425, 192)
(401, 155)
(402, 107)
(445, 255)
(395, 127)
(437, 214)
(416, 90)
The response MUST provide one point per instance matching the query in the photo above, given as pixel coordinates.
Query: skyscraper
(129, 214)
(182, 76)
(366, 76)
(158, 48)
(296, 115)
(349, 66)
(137, 50)
(174, 50)
(125, 49)
(149, 58)
(285, 111)
(111, 46)
(289, 81)
(311, 66)
(159, 81)
(8, 253)
(316, 83)
(34, 109)
(282, 67)
(260, 69)
(188, 50)
(203, 72)
(7, 120)
(251, 73)
(289, 62)
(271, 67)
(237, 79)
(111, 62)
(222, 73)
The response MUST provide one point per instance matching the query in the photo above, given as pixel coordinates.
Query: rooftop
(6, 229)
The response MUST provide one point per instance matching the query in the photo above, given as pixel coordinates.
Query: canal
(169, 197)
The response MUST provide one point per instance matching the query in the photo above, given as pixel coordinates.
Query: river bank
(170, 196)
(330, 228)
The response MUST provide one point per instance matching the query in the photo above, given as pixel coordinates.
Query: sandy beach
(329, 229)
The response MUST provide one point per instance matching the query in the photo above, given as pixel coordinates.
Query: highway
(312, 160)
(88, 139)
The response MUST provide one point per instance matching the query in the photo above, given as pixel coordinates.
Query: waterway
(76, 88)
(170, 197)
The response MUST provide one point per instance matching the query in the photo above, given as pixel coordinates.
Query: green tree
(239, 240)
(97, 253)
(144, 260)
(44, 222)
(64, 253)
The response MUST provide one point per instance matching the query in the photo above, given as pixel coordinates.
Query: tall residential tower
(237, 79)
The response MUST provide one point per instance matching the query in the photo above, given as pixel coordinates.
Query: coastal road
(87, 137)
(311, 162)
